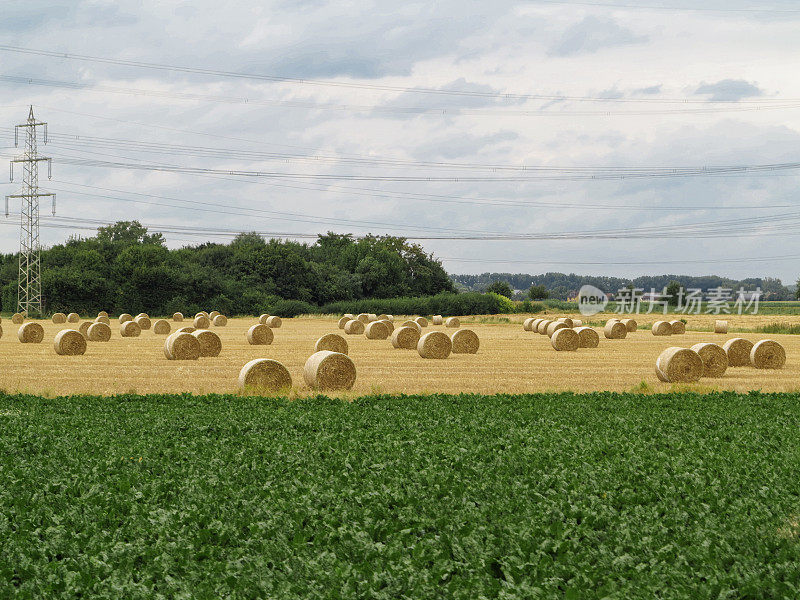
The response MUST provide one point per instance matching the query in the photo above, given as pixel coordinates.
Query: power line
(406, 110)
(601, 175)
(670, 8)
(545, 261)
(351, 85)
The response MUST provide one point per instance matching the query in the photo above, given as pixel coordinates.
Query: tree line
(561, 286)
(126, 268)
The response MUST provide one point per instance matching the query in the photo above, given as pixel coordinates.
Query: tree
(797, 290)
(128, 232)
(538, 292)
(673, 292)
(500, 287)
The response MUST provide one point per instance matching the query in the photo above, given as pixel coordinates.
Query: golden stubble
(510, 360)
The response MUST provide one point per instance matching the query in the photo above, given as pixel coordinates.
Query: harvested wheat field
(510, 360)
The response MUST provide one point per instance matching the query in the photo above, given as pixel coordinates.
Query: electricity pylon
(29, 291)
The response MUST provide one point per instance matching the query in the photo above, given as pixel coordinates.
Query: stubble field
(510, 360)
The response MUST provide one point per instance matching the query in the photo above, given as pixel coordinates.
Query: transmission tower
(29, 291)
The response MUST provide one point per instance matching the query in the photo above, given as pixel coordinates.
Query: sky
(446, 122)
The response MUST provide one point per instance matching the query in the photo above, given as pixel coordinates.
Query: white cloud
(482, 47)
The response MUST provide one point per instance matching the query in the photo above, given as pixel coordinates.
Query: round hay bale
(565, 339)
(210, 344)
(569, 322)
(363, 317)
(17, 318)
(577, 323)
(161, 327)
(767, 354)
(349, 316)
(264, 375)
(84, 328)
(389, 325)
(177, 317)
(437, 320)
(124, 318)
(130, 329)
(452, 322)
(143, 323)
(141, 316)
(213, 315)
(738, 351)
(526, 324)
(99, 332)
(1, 331)
(202, 313)
(354, 327)
(615, 330)
(102, 313)
(413, 324)
(534, 326)
(377, 330)
(188, 329)
(679, 365)
(260, 335)
(383, 317)
(274, 322)
(630, 324)
(69, 342)
(720, 326)
(326, 370)
(263, 319)
(220, 321)
(372, 317)
(715, 359)
(333, 342)
(465, 341)
(543, 325)
(102, 319)
(59, 318)
(343, 321)
(587, 337)
(555, 326)
(31, 333)
(73, 318)
(181, 346)
(201, 322)
(434, 344)
(662, 328)
(678, 327)
(405, 338)
(421, 321)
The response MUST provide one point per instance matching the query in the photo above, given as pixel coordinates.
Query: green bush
(472, 303)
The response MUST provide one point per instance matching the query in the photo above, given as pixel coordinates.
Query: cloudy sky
(446, 122)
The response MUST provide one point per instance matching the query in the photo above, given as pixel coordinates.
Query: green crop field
(540, 496)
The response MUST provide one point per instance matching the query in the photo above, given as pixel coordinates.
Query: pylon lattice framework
(29, 291)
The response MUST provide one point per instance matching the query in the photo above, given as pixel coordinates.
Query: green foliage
(780, 328)
(538, 292)
(527, 306)
(500, 288)
(538, 496)
(563, 286)
(673, 292)
(124, 268)
(797, 289)
(441, 304)
(504, 304)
